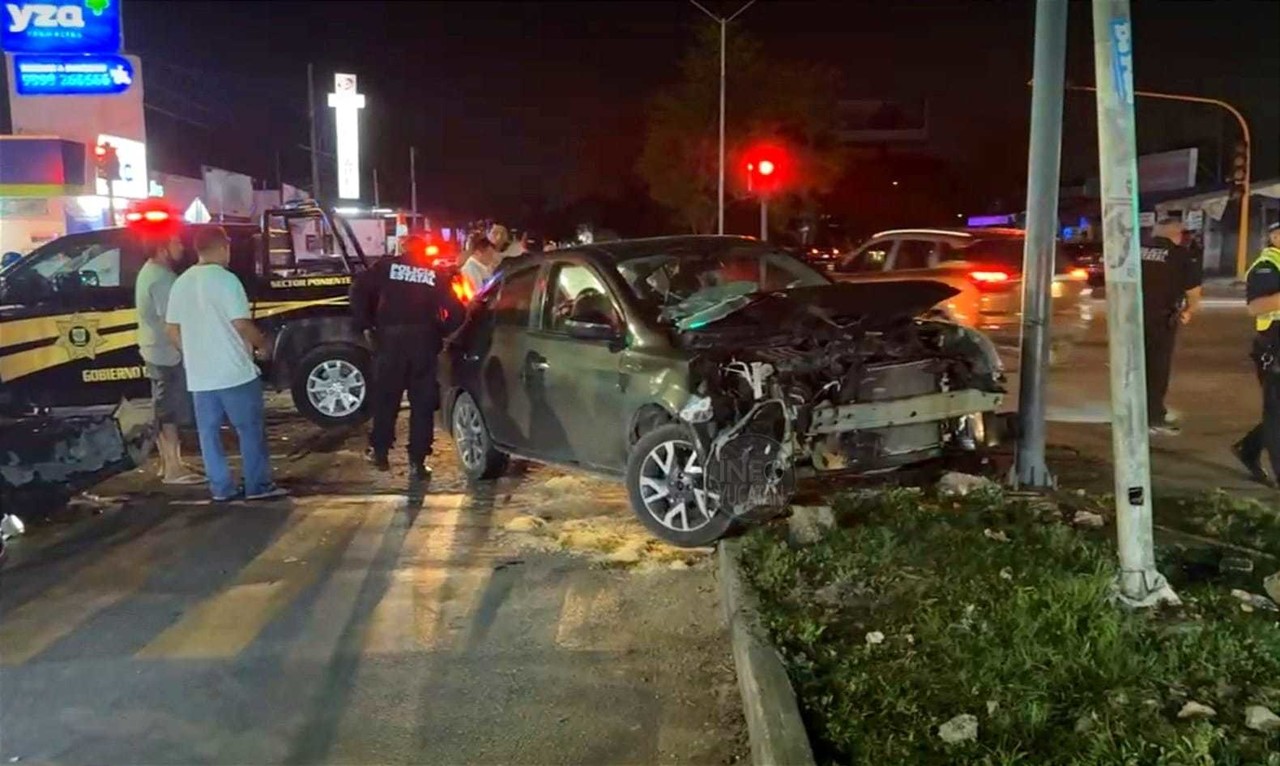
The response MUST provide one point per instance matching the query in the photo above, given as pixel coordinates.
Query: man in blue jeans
(208, 318)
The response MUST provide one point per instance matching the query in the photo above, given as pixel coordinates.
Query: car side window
(576, 293)
(870, 259)
(913, 254)
(84, 265)
(515, 299)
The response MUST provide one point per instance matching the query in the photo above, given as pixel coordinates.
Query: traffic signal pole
(1139, 583)
(764, 218)
(1039, 255)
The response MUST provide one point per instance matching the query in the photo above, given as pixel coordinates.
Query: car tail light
(1078, 274)
(984, 278)
(461, 289)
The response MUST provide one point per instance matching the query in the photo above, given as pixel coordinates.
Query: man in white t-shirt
(480, 266)
(209, 320)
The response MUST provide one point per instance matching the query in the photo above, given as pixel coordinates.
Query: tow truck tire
(659, 458)
(349, 368)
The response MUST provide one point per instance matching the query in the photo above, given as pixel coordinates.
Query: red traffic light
(766, 167)
(100, 150)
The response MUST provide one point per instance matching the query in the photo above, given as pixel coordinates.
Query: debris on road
(962, 728)
(11, 526)
(525, 524)
(808, 523)
(956, 483)
(1259, 718)
(1195, 709)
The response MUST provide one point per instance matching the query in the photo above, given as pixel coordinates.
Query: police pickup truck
(68, 327)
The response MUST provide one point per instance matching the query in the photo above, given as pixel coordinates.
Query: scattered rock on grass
(1194, 709)
(956, 483)
(1272, 586)
(996, 534)
(1088, 519)
(962, 728)
(808, 523)
(1251, 601)
(875, 637)
(1261, 719)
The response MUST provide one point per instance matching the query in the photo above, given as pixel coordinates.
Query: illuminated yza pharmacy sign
(347, 104)
(72, 26)
(72, 75)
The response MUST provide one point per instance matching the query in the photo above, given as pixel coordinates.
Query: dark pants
(405, 360)
(1266, 435)
(1160, 340)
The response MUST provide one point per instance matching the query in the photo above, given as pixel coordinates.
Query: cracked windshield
(687, 382)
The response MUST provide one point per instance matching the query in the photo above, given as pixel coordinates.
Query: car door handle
(540, 364)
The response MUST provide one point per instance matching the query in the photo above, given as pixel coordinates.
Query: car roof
(686, 244)
(965, 232)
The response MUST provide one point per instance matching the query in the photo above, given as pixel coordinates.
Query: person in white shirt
(209, 320)
(169, 396)
(479, 267)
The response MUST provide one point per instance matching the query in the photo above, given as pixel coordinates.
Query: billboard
(72, 26)
(75, 74)
(347, 103)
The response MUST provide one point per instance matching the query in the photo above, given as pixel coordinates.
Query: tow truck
(73, 390)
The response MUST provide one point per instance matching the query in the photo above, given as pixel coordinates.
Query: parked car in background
(985, 268)
(1087, 256)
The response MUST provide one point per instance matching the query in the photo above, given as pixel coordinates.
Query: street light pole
(1043, 169)
(1139, 582)
(1242, 240)
(724, 24)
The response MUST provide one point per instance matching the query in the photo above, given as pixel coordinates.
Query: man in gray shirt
(163, 360)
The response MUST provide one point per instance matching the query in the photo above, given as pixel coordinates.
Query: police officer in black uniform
(405, 305)
(1171, 279)
(1262, 290)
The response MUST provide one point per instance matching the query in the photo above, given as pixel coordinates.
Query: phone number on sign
(67, 80)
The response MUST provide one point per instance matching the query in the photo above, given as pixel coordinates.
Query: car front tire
(331, 385)
(666, 485)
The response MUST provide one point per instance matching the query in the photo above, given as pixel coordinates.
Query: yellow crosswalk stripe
(222, 626)
(121, 571)
(589, 618)
(428, 602)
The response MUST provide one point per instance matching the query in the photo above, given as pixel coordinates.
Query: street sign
(72, 75)
(77, 26)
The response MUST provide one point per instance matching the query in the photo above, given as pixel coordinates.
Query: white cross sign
(346, 104)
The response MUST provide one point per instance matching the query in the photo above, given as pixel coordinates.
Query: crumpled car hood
(868, 304)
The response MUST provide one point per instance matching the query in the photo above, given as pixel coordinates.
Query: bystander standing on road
(1263, 295)
(209, 320)
(1171, 289)
(409, 310)
(169, 395)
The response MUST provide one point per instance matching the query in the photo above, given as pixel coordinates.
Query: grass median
(916, 610)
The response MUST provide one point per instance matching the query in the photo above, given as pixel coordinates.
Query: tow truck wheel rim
(336, 388)
(671, 487)
(468, 431)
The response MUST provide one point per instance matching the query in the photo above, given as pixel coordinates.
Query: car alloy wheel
(336, 388)
(672, 487)
(469, 434)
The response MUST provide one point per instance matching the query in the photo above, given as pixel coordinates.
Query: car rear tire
(331, 385)
(479, 459)
(665, 483)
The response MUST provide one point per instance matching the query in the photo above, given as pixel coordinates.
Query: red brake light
(1078, 274)
(433, 250)
(989, 277)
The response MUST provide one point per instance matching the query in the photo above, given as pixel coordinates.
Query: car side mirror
(585, 330)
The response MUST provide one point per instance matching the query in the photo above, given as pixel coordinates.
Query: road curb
(774, 726)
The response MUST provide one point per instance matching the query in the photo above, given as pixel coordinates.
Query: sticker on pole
(1122, 60)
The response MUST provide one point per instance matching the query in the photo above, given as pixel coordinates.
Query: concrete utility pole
(724, 24)
(1039, 256)
(315, 139)
(1139, 583)
(377, 197)
(764, 218)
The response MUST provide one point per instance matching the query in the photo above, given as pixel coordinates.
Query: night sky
(519, 106)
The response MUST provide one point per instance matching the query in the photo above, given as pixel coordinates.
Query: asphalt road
(1213, 387)
(359, 622)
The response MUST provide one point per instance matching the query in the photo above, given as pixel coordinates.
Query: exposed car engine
(835, 397)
